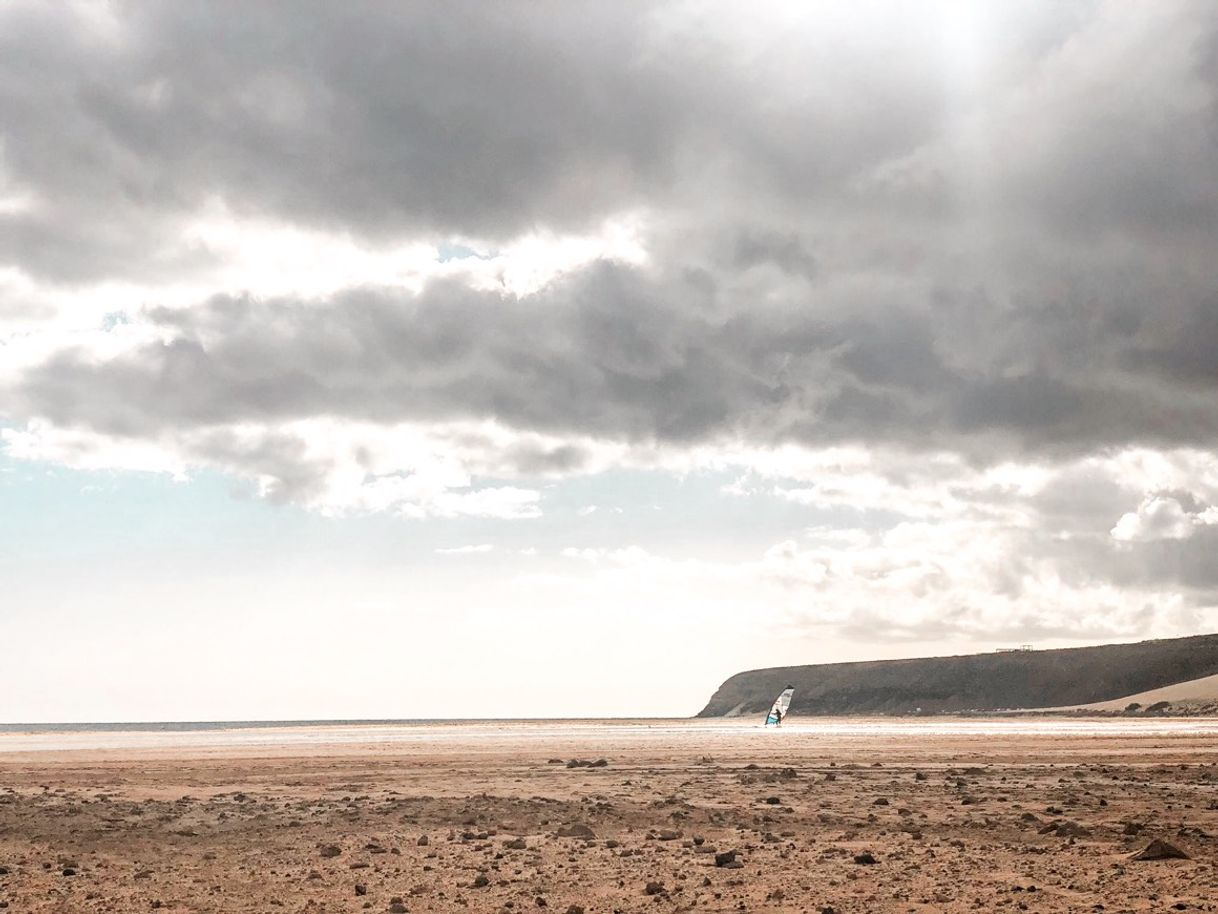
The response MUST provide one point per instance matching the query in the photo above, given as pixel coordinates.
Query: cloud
(1158, 517)
(466, 550)
(942, 276)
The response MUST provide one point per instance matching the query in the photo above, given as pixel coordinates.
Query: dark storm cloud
(860, 228)
(375, 118)
(608, 352)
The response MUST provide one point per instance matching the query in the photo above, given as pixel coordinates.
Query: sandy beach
(912, 816)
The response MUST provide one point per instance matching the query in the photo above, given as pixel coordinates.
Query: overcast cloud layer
(951, 268)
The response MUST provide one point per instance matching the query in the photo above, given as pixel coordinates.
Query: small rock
(329, 850)
(68, 871)
(723, 858)
(1066, 829)
(654, 888)
(423, 841)
(516, 844)
(575, 830)
(575, 909)
(865, 859)
(481, 882)
(361, 889)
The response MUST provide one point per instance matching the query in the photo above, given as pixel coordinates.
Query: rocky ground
(940, 823)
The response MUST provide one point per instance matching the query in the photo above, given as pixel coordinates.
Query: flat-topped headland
(1018, 679)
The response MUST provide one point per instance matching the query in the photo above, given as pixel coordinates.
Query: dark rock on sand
(1160, 850)
(727, 859)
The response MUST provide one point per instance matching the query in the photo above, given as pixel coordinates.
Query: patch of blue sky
(675, 516)
(51, 512)
(450, 251)
(113, 319)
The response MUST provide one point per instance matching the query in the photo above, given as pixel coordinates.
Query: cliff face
(1022, 679)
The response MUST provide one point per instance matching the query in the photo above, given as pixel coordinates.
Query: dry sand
(472, 819)
(1203, 692)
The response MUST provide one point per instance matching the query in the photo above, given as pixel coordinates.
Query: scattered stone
(1066, 829)
(329, 850)
(865, 859)
(1160, 850)
(724, 857)
(480, 881)
(654, 888)
(516, 844)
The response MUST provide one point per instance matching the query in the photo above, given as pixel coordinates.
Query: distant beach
(602, 735)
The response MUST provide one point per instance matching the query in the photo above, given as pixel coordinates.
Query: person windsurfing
(779, 709)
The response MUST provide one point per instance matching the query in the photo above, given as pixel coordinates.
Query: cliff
(1016, 679)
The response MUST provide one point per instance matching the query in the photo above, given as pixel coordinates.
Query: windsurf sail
(779, 709)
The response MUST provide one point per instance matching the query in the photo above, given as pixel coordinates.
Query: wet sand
(960, 817)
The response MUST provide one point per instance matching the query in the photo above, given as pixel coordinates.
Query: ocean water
(220, 735)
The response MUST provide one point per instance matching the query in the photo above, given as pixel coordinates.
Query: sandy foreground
(863, 817)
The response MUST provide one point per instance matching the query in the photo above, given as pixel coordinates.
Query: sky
(378, 360)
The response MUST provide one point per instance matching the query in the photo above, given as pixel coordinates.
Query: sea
(245, 734)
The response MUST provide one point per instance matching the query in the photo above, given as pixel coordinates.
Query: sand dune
(1199, 691)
